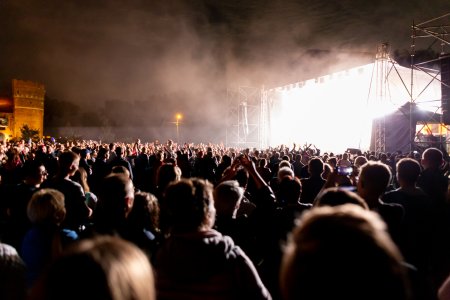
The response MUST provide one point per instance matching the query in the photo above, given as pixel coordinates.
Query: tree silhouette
(29, 133)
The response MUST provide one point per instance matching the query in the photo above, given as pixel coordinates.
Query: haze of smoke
(181, 56)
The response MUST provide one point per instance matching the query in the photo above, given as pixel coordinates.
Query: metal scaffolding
(432, 34)
(244, 117)
(264, 131)
(381, 68)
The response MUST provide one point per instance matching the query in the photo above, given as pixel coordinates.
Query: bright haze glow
(118, 70)
(335, 112)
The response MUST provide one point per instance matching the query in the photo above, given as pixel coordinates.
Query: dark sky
(185, 54)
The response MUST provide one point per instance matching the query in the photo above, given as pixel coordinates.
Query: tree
(29, 133)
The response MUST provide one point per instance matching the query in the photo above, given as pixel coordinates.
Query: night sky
(181, 56)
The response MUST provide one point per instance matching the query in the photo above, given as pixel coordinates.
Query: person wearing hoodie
(196, 261)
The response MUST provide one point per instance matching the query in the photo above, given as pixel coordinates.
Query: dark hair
(408, 169)
(145, 211)
(330, 240)
(189, 203)
(65, 161)
(433, 156)
(315, 166)
(111, 205)
(338, 196)
(120, 170)
(167, 173)
(31, 168)
(375, 176)
(119, 151)
(242, 177)
(289, 190)
(102, 152)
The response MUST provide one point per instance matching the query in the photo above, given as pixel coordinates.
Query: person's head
(190, 205)
(68, 163)
(145, 211)
(374, 178)
(104, 267)
(46, 206)
(284, 163)
(103, 153)
(242, 177)
(227, 197)
(119, 151)
(432, 158)
(226, 160)
(34, 172)
(289, 190)
(115, 199)
(359, 161)
(285, 171)
(332, 161)
(342, 252)
(315, 166)
(335, 196)
(120, 170)
(85, 153)
(167, 173)
(327, 170)
(12, 274)
(408, 171)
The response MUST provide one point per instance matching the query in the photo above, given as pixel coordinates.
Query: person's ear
(129, 203)
(73, 168)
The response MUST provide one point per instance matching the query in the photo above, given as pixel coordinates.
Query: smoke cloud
(166, 57)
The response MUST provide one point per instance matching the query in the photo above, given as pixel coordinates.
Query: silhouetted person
(77, 211)
(120, 160)
(314, 183)
(104, 267)
(342, 252)
(196, 261)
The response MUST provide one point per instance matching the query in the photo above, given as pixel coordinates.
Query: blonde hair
(111, 268)
(81, 177)
(46, 207)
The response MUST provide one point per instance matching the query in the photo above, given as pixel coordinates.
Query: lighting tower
(381, 68)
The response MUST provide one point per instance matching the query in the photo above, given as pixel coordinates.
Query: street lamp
(177, 123)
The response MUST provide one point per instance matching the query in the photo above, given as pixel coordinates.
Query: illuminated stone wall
(28, 99)
(6, 117)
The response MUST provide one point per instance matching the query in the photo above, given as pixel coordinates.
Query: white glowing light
(335, 112)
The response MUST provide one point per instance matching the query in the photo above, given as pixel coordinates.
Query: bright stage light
(336, 112)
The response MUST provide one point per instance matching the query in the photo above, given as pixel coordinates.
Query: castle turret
(28, 100)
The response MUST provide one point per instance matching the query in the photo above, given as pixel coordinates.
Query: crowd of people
(85, 219)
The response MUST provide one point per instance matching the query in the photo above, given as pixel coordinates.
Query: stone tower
(28, 100)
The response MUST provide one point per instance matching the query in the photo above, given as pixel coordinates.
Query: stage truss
(244, 117)
(431, 34)
(382, 66)
(248, 115)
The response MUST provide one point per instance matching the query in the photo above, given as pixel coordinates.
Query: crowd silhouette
(151, 220)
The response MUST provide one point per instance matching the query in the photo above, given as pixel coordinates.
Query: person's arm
(264, 196)
(250, 166)
(230, 172)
